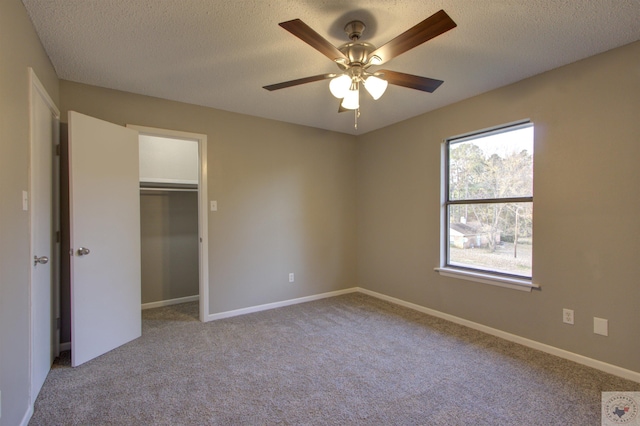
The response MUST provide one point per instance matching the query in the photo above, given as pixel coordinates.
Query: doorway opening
(109, 229)
(173, 218)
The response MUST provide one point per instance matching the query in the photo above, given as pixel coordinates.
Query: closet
(169, 170)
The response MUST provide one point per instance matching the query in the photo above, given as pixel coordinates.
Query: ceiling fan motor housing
(358, 52)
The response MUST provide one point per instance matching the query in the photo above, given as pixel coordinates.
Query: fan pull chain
(356, 115)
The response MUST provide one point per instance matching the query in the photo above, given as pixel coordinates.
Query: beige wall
(169, 245)
(586, 227)
(286, 196)
(19, 49)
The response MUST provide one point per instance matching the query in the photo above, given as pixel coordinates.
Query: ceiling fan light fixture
(375, 86)
(351, 99)
(355, 57)
(339, 86)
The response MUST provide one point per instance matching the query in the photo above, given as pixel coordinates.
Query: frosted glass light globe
(351, 99)
(339, 86)
(375, 86)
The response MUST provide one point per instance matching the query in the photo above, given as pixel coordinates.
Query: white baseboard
(169, 302)
(580, 359)
(265, 307)
(27, 416)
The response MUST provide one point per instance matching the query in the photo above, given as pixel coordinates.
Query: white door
(44, 126)
(104, 212)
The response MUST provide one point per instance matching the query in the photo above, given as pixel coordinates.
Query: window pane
(493, 237)
(494, 165)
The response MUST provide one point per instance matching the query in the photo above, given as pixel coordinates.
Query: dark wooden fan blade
(412, 81)
(312, 38)
(299, 81)
(431, 27)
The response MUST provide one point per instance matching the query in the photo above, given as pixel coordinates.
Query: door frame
(203, 217)
(36, 88)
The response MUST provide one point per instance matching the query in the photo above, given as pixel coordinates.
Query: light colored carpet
(348, 360)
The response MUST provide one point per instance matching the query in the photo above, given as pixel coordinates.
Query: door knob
(83, 251)
(41, 260)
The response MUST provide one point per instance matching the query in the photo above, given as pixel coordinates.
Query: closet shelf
(154, 186)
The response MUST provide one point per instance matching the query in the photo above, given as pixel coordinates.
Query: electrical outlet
(567, 316)
(291, 277)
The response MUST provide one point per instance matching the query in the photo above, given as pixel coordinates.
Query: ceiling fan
(354, 59)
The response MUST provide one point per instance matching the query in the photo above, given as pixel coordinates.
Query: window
(488, 203)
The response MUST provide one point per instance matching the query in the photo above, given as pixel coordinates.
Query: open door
(104, 213)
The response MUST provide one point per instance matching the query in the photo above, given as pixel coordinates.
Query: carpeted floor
(348, 360)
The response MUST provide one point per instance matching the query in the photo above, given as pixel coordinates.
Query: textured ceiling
(220, 53)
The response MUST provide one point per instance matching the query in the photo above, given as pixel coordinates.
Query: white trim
(35, 82)
(36, 88)
(444, 218)
(580, 359)
(173, 181)
(489, 131)
(274, 305)
(170, 302)
(203, 228)
(521, 284)
(27, 416)
(66, 346)
(203, 212)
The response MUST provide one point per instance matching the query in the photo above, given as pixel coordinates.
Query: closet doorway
(173, 218)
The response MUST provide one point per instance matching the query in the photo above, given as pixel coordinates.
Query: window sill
(521, 284)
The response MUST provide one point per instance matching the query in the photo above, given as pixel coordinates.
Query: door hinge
(58, 150)
(57, 323)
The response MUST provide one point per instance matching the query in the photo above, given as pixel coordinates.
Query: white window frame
(485, 277)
